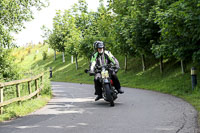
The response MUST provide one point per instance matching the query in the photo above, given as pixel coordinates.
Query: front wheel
(109, 95)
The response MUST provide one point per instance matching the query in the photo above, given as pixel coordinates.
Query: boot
(98, 97)
(120, 91)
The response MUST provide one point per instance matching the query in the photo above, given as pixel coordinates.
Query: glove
(116, 70)
(86, 70)
(91, 73)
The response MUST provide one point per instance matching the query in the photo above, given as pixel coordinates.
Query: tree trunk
(125, 67)
(76, 62)
(161, 64)
(54, 54)
(143, 63)
(182, 67)
(63, 54)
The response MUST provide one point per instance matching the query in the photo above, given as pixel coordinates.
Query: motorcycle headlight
(104, 74)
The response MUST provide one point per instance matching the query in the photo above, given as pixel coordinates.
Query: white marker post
(72, 59)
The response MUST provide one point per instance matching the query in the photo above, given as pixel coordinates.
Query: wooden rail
(38, 88)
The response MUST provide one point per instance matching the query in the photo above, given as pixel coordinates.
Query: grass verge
(15, 110)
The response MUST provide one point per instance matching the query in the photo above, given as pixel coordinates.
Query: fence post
(41, 80)
(36, 86)
(193, 77)
(29, 87)
(1, 99)
(51, 72)
(18, 92)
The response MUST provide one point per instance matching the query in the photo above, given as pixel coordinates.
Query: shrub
(47, 88)
(8, 69)
(44, 54)
(35, 57)
(29, 51)
(22, 58)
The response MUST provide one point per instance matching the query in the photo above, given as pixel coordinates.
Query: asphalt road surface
(73, 110)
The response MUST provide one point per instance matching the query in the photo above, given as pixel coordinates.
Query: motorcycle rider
(100, 58)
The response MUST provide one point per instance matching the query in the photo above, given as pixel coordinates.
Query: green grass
(172, 81)
(16, 110)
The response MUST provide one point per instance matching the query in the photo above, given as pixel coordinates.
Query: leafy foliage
(13, 14)
(163, 28)
(179, 24)
(8, 70)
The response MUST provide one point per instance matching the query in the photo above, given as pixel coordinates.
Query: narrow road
(73, 110)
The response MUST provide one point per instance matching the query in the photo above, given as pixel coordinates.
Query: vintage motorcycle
(109, 92)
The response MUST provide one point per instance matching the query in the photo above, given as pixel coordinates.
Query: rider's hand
(116, 70)
(117, 66)
(91, 73)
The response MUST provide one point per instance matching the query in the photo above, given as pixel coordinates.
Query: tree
(73, 39)
(138, 29)
(179, 29)
(60, 31)
(49, 38)
(57, 38)
(145, 31)
(123, 33)
(86, 45)
(13, 15)
(83, 21)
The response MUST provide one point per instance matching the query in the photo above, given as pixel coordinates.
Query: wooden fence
(18, 98)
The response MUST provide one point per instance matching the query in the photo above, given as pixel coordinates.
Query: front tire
(109, 95)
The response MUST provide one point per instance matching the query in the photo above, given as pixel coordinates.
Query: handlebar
(106, 67)
(99, 68)
(109, 67)
(90, 73)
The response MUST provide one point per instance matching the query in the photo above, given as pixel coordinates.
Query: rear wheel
(109, 95)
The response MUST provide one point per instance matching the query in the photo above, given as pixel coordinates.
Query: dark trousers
(98, 84)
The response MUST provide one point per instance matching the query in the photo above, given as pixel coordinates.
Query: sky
(32, 32)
